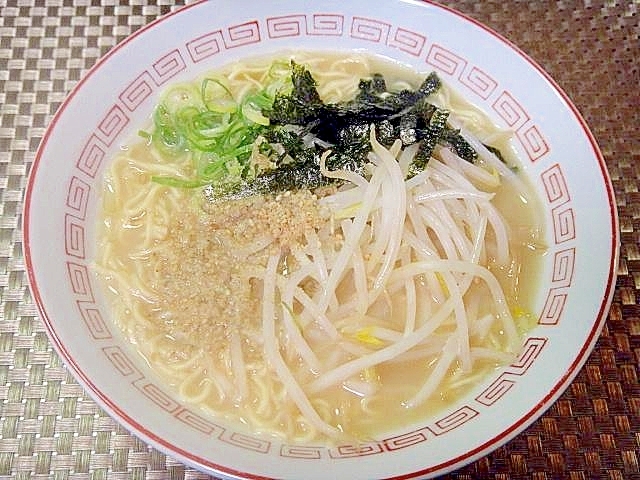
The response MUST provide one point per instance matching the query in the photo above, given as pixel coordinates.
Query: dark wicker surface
(50, 428)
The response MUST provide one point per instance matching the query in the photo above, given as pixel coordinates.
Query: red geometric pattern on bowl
(112, 124)
(296, 25)
(478, 84)
(408, 41)
(510, 110)
(507, 379)
(92, 156)
(532, 141)
(287, 26)
(325, 24)
(408, 439)
(157, 395)
(563, 266)
(459, 417)
(563, 224)
(168, 66)
(138, 91)
(241, 440)
(97, 327)
(74, 240)
(199, 423)
(555, 185)
(561, 278)
(218, 40)
(371, 30)
(302, 451)
(79, 280)
(553, 306)
(446, 61)
(357, 450)
(78, 197)
(121, 362)
(243, 34)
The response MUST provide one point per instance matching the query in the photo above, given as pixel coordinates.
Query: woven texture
(49, 426)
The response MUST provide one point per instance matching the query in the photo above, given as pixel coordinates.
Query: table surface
(50, 427)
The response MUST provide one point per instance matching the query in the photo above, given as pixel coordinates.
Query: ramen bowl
(558, 154)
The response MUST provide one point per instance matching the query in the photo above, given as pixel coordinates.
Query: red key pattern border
(448, 64)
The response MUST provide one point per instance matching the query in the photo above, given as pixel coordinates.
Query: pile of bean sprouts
(437, 228)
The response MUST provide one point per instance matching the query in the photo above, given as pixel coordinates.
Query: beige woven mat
(50, 428)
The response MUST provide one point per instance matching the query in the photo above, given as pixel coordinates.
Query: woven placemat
(49, 426)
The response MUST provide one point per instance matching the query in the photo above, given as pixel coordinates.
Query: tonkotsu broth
(185, 278)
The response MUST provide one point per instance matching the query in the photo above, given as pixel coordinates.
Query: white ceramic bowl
(111, 102)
